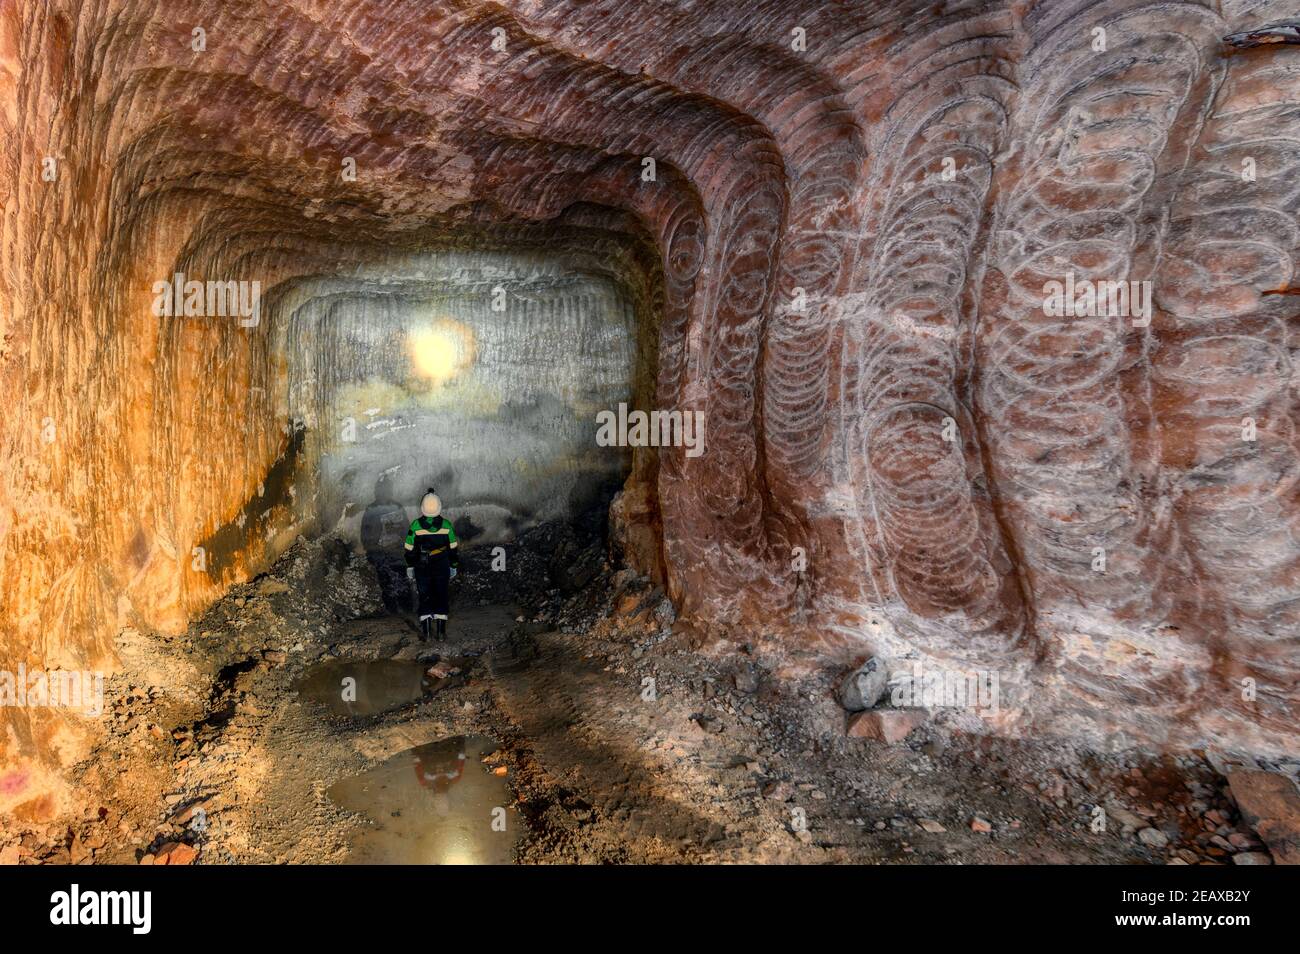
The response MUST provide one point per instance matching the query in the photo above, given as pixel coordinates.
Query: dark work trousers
(431, 581)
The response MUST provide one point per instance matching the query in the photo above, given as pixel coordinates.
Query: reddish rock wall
(854, 212)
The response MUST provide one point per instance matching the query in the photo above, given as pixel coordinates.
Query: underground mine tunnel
(842, 431)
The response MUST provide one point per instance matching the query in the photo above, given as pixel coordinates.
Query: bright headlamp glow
(442, 350)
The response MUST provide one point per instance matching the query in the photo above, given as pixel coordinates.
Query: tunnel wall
(845, 236)
(482, 378)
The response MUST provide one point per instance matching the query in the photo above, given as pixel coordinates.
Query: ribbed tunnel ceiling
(839, 260)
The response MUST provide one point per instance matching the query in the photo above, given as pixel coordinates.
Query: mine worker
(431, 561)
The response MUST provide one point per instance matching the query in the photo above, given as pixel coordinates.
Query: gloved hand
(453, 574)
(410, 573)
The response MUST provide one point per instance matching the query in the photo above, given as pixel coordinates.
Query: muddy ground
(613, 742)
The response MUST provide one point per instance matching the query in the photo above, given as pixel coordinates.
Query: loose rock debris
(616, 742)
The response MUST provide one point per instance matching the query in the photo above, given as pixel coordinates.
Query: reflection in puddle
(367, 687)
(433, 804)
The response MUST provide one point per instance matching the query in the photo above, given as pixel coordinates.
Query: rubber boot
(442, 629)
(426, 628)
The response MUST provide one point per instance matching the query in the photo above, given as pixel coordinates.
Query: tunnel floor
(237, 753)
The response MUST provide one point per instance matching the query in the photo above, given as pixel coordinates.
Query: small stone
(746, 680)
(777, 791)
(176, 853)
(979, 824)
(200, 809)
(1251, 858)
(1153, 837)
(886, 725)
(1125, 817)
(1241, 840)
(707, 723)
(665, 613)
(930, 825)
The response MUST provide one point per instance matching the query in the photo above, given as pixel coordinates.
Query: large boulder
(1270, 804)
(865, 686)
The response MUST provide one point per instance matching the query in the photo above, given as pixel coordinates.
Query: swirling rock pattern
(839, 255)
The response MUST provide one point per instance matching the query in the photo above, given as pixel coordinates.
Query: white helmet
(430, 505)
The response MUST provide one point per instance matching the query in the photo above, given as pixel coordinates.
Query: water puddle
(357, 687)
(435, 804)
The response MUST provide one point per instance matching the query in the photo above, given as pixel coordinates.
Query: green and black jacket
(431, 540)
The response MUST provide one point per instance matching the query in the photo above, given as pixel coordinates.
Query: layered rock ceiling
(840, 251)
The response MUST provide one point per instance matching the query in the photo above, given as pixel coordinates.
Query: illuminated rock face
(840, 254)
(479, 374)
